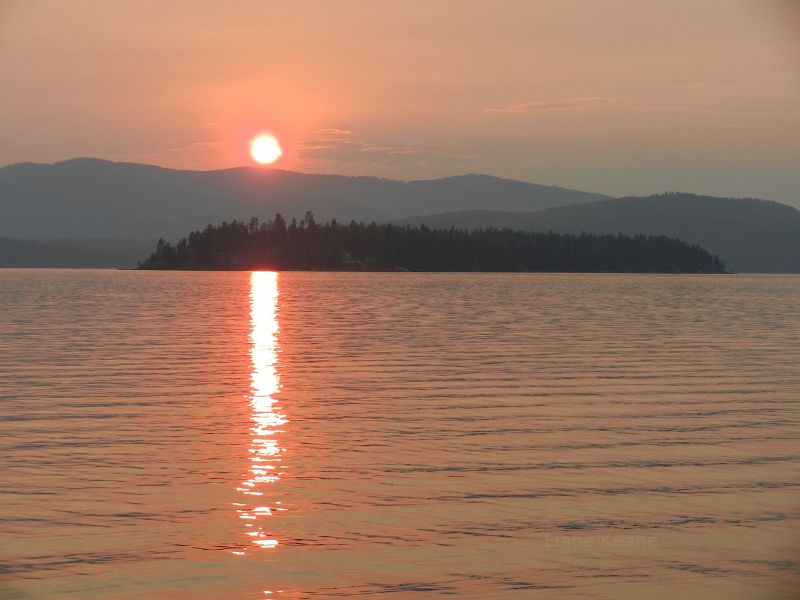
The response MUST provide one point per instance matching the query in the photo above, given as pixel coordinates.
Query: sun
(265, 149)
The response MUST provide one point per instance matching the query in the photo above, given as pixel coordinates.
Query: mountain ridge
(748, 233)
(87, 197)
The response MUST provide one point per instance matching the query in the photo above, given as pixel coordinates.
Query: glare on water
(265, 450)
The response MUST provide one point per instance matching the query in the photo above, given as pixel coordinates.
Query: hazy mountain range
(750, 235)
(90, 212)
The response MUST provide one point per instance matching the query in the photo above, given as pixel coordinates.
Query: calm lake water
(318, 435)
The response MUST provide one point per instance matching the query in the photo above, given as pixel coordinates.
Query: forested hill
(750, 235)
(357, 246)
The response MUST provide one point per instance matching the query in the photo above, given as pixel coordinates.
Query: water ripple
(194, 435)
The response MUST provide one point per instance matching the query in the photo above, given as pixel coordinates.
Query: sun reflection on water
(265, 450)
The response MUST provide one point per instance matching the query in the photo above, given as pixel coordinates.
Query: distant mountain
(750, 235)
(115, 211)
(30, 254)
(83, 198)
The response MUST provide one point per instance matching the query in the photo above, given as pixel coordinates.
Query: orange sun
(265, 149)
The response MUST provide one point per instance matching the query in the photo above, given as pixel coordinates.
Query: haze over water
(235, 435)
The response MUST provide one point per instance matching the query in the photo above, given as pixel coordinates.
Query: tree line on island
(307, 245)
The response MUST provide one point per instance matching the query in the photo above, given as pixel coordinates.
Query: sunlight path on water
(265, 450)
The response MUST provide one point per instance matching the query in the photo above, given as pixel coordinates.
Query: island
(308, 245)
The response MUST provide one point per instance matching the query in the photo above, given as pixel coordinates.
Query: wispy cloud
(334, 132)
(341, 151)
(383, 149)
(190, 147)
(331, 140)
(629, 104)
(568, 104)
(201, 154)
(310, 147)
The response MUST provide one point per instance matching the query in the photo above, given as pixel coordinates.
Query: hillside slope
(750, 235)
(91, 198)
(36, 254)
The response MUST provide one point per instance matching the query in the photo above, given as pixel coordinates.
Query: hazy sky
(614, 96)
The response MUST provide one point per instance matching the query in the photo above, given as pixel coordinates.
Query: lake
(315, 435)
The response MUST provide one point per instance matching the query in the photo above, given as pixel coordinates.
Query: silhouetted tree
(359, 246)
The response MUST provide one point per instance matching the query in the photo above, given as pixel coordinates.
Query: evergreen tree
(359, 246)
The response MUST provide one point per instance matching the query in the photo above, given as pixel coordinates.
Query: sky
(621, 97)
